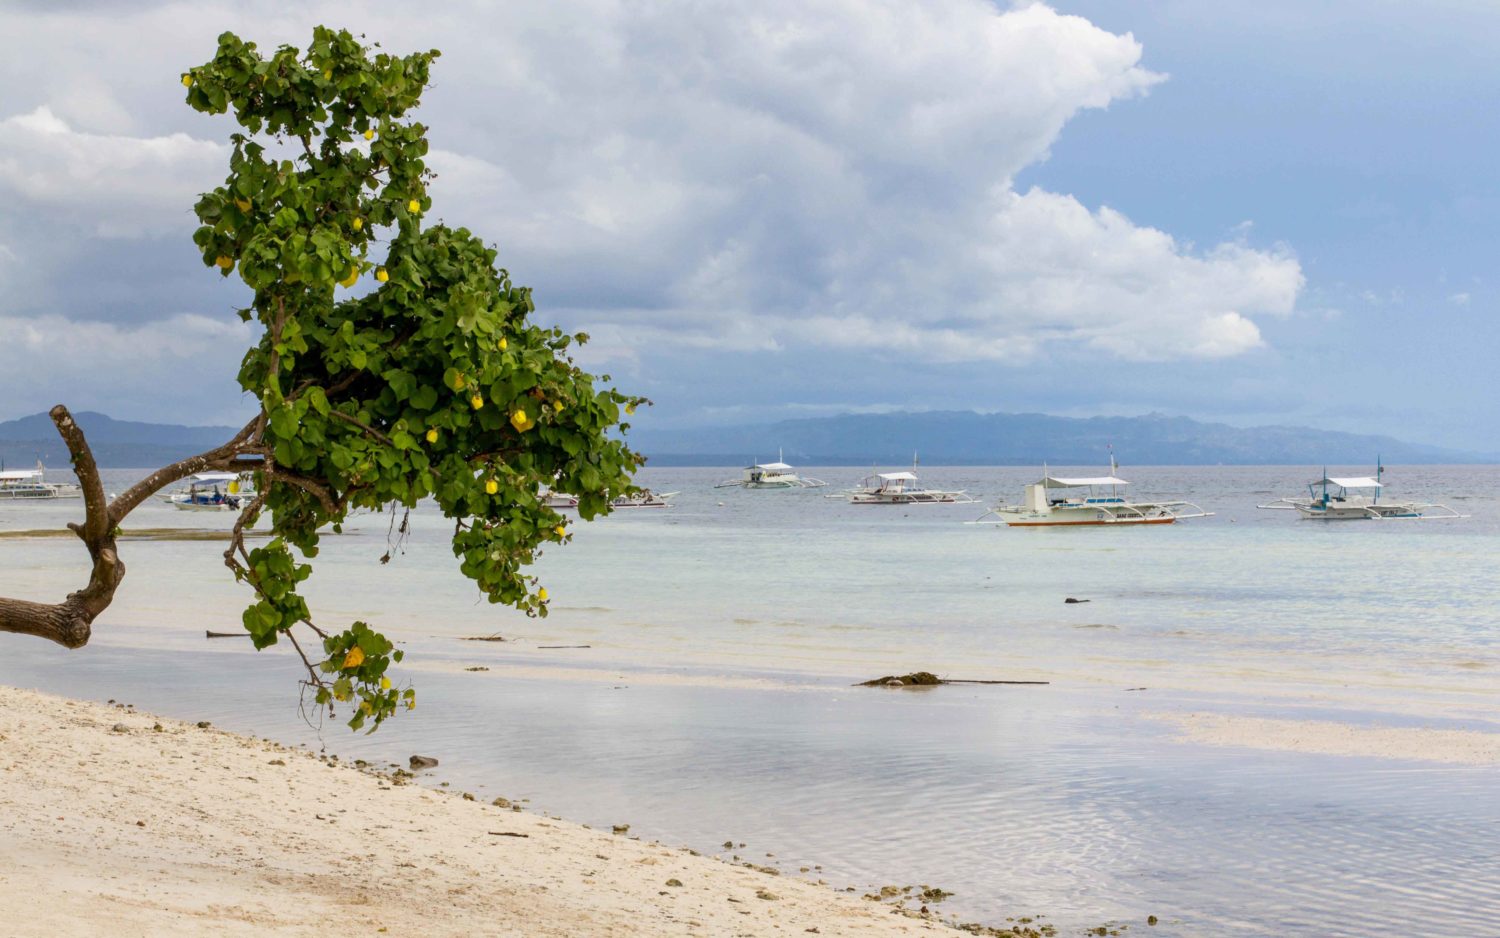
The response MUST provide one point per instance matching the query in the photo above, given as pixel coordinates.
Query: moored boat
(771, 475)
(1357, 498)
(900, 488)
(213, 491)
(31, 485)
(1086, 501)
(644, 498)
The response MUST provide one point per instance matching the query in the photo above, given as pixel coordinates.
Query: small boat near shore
(771, 475)
(31, 485)
(1357, 498)
(1086, 501)
(213, 491)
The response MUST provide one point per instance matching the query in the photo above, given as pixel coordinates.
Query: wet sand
(124, 823)
(1326, 737)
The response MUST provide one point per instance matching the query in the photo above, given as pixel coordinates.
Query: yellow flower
(354, 658)
(224, 261)
(541, 594)
(369, 135)
(357, 224)
(477, 401)
(381, 274)
(503, 343)
(521, 421)
(352, 276)
(365, 708)
(557, 407)
(629, 408)
(432, 435)
(414, 206)
(187, 80)
(560, 530)
(385, 683)
(242, 204)
(491, 487)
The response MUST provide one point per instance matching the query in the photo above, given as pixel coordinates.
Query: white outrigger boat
(1087, 501)
(1357, 498)
(900, 488)
(213, 491)
(30, 485)
(645, 498)
(771, 475)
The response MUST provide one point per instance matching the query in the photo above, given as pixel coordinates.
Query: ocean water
(713, 704)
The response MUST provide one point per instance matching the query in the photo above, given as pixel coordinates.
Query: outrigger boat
(213, 491)
(1357, 498)
(1056, 501)
(771, 475)
(900, 488)
(645, 498)
(29, 485)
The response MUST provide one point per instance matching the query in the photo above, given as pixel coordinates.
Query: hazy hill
(965, 437)
(941, 438)
(116, 443)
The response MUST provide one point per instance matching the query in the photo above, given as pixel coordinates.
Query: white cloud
(123, 370)
(117, 186)
(784, 175)
(837, 174)
(1460, 299)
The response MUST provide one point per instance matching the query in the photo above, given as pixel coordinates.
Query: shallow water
(1057, 799)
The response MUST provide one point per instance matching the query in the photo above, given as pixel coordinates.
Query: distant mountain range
(940, 437)
(117, 444)
(969, 438)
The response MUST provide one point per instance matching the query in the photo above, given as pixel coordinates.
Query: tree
(434, 384)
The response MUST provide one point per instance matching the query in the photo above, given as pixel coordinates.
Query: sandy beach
(120, 822)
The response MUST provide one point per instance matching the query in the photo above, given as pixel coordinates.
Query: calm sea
(713, 704)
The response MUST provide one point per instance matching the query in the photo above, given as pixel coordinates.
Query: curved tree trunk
(70, 622)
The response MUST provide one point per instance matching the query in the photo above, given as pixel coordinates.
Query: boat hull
(21, 496)
(1090, 524)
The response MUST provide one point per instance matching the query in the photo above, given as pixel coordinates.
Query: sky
(1266, 212)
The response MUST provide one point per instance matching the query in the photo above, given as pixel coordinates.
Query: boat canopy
(20, 475)
(778, 466)
(208, 478)
(898, 476)
(1053, 482)
(1359, 482)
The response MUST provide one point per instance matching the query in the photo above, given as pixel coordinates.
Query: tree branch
(311, 486)
(363, 426)
(70, 622)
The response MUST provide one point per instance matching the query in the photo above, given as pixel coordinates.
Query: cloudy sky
(1256, 212)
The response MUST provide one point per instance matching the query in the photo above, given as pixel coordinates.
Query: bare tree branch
(70, 622)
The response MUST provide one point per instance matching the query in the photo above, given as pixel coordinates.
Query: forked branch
(70, 622)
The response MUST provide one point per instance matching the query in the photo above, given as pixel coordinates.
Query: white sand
(1469, 747)
(189, 831)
